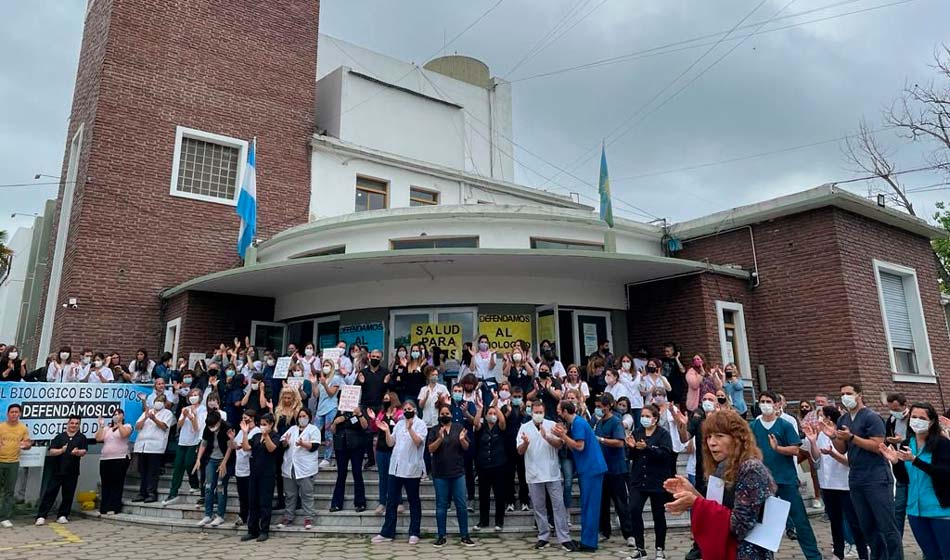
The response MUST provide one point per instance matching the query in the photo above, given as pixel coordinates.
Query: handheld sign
(334, 355)
(349, 397)
(282, 367)
(193, 358)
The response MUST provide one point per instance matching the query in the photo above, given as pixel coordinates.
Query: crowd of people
(505, 431)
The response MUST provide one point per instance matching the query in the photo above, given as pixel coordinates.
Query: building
(13, 281)
(387, 210)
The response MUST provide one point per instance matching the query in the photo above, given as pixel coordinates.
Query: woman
(164, 367)
(114, 461)
(358, 357)
(300, 443)
(121, 373)
(491, 463)
(288, 405)
(413, 379)
(150, 442)
(651, 449)
(233, 392)
(574, 381)
(595, 380)
(349, 429)
(141, 367)
(309, 361)
(833, 470)
(262, 447)
(242, 464)
(390, 414)
(447, 442)
(406, 469)
(191, 424)
(100, 372)
(696, 382)
(622, 409)
(217, 455)
(326, 385)
(623, 384)
(58, 371)
(653, 382)
(735, 389)
(12, 366)
(730, 454)
(213, 402)
(926, 456)
(517, 369)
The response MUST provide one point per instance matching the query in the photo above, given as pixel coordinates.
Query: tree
(6, 256)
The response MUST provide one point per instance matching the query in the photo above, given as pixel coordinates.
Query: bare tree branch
(868, 156)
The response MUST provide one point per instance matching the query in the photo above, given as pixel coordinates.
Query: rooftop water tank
(464, 68)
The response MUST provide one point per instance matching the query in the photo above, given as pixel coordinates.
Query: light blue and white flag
(247, 203)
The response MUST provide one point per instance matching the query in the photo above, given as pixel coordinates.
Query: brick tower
(168, 93)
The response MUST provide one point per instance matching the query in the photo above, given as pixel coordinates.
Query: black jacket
(938, 469)
(651, 465)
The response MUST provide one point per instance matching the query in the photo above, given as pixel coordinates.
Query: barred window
(207, 169)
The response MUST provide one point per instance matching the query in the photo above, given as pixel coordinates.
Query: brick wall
(209, 319)
(240, 69)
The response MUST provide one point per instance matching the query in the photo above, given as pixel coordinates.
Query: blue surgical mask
(516, 401)
(599, 412)
(457, 397)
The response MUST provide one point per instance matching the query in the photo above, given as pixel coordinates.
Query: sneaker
(477, 528)
(204, 521)
(694, 553)
(570, 525)
(138, 499)
(380, 509)
(498, 527)
(307, 524)
(631, 542)
(40, 521)
(816, 504)
(470, 507)
(525, 507)
(170, 500)
(400, 509)
(360, 509)
(439, 542)
(510, 508)
(284, 523)
(638, 553)
(193, 491)
(263, 537)
(467, 541)
(6, 524)
(541, 545)
(216, 521)
(62, 520)
(569, 546)
(110, 513)
(791, 534)
(850, 551)
(150, 500)
(660, 555)
(238, 523)
(324, 464)
(334, 509)
(379, 539)
(248, 537)
(413, 540)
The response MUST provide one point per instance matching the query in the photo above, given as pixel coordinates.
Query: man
(14, 438)
(780, 444)
(590, 467)
(603, 352)
(895, 432)
(538, 445)
(610, 434)
(811, 419)
(675, 372)
(374, 379)
(859, 433)
(65, 452)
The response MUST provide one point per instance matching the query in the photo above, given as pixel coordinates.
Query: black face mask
(651, 369)
(387, 404)
(722, 400)
(445, 420)
(374, 362)
(544, 374)
(409, 414)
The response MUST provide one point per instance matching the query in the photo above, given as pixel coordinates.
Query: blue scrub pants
(591, 488)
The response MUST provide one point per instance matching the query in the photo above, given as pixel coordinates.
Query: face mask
(457, 397)
(444, 420)
(116, 419)
(767, 408)
(622, 409)
(401, 353)
(599, 412)
(186, 381)
(64, 355)
(646, 422)
(897, 414)
(97, 363)
(308, 352)
(516, 357)
(538, 417)
(409, 414)
(504, 395)
(492, 418)
(625, 365)
(158, 405)
(326, 370)
(303, 422)
(194, 399)
(697, 363)
(387, 404)
(627, 423)
(433, 380)
(651, 369)
(212, 405)
(254, 386)
(13, 355)
(374, 362)
(919, 425)
(544, 374)
(722, 400)
(271, 361)
(229, 373)
(86, 360)
(483, 346)
(414, 354)
(610, 379)
(709, 406)
(298, 373)
(516, 401)
(849, 401)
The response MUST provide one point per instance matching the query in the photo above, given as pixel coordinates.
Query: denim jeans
(323, 422)
(567, 473)
(212, 492)
(453, 488)
(396, 485)
(383, 459)
(931, 535)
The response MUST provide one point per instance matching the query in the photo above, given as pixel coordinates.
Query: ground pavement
(93, 539)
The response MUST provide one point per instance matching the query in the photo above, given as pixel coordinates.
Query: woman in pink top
(114, 461)
(694, 379)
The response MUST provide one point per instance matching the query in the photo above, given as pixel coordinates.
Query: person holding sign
(14, 438)
(326, 385)
(349, 432)
(730, 453)
(65, 452)
(406, 469)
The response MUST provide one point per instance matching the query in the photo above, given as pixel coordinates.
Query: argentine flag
(247, 203)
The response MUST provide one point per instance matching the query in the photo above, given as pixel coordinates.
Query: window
(371, 194)
(207, 166)
(401, 322)
(434, 243)
(337, 250)
(733, 343)
(904, 326)
(266, 335)
(538, 243)
(172, 334)
(422, 197)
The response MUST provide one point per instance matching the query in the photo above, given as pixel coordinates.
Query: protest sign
(447, 336)
(504, 329)
(369, 335)
(349, 398)
(333, 354)
(47, 406)
(282, 367)
(193, 358)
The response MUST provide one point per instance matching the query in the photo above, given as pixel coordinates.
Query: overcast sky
(777, 90)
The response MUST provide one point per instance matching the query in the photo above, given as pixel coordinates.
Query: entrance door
(546, 323)
(268, 336)
(591, 327)
(328, 332)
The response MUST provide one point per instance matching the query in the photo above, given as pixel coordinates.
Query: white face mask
(709, 406)
(64, 355)
(919, 425)
(271, 361)
(97, 363)
(303, 422)
(158, 405)
(767, 408)
(327, 369)
(298, 373)
(849, 401)
(538, 417)
(13, 355)
(308, 351)
(86, 360)
(194, 399)
(625, 365)
(254, 386)
(516, 357)
(116, 419)
(401, 353)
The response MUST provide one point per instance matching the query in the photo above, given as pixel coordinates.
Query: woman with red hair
(729, 453)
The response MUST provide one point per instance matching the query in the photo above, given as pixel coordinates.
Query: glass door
(266, 335)
(328, 332)
(546, 321)
(592, 327)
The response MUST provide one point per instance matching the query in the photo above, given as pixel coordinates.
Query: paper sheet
(715, 488)
(769, 533)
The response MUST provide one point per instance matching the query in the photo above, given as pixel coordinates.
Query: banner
(47, 406)
(504, 329)
(447, 336)
(369, 335)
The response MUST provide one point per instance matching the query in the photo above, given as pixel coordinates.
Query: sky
(670, 117)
